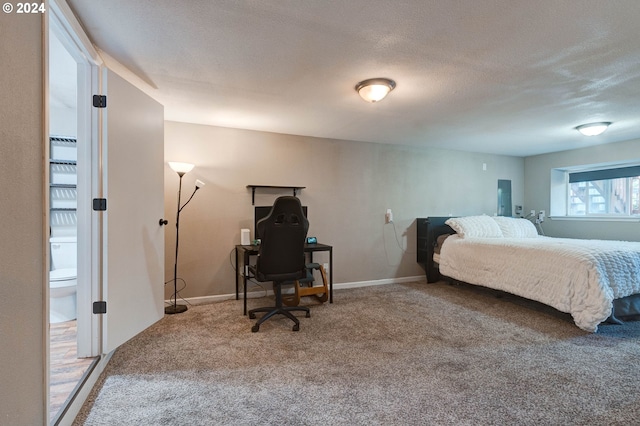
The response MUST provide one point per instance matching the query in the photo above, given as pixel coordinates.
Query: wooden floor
(66, 368)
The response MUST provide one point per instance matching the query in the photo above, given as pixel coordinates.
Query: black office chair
(281, 255)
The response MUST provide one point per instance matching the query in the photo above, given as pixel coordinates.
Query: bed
(593, 280)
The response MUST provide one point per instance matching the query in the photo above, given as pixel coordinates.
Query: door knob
(163, 221)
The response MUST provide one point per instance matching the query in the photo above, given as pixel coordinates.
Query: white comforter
(580, 277)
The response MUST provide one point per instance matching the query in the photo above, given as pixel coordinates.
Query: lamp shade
(375, 89)
(181, 168)
(593, 129)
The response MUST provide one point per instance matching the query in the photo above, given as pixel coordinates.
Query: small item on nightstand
(312, 240)
(245, 237)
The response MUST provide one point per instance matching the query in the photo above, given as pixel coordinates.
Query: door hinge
(100, 204)
(100, 101)
(100, 307)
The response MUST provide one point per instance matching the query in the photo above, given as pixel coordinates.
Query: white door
(133, 242)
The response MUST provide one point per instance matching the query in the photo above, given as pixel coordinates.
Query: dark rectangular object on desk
(263, 211)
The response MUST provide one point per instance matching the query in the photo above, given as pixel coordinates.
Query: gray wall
(349, 186)
(22, 249)
(537, 182)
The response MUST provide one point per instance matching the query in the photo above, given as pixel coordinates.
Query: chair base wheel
(278, 309)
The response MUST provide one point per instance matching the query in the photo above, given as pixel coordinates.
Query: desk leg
(331, 275)
(244, 275)
(237, 271)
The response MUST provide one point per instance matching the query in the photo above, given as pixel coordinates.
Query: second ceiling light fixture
(375, 89)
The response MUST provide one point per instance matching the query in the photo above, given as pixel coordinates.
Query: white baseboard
(400, 280)
(261, 293)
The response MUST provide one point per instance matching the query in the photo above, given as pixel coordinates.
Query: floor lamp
(181, 169)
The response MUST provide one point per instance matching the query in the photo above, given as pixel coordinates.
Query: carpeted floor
(400, 354)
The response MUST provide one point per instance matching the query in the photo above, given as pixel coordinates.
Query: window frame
(560, 189)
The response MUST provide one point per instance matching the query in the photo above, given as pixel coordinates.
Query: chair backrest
(283, 233)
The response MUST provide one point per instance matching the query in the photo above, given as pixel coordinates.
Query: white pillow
(475, 226)
(512, 227)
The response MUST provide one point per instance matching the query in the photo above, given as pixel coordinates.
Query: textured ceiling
(511, 77)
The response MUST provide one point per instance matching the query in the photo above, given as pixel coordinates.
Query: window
(603, 192)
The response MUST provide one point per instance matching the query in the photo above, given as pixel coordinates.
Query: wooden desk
(248, 251)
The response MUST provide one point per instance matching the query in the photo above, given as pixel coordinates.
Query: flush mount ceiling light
(375, 89)
(593, 129)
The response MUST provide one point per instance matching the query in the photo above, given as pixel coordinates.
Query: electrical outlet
(326, 267)
(541, 216)
(388, 217)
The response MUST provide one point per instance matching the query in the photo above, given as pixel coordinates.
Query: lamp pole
(181, 169)
(176, 309)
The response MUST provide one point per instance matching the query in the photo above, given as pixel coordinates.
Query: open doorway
(70, 354)
(119, 255)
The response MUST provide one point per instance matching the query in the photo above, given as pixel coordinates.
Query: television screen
(263, 211)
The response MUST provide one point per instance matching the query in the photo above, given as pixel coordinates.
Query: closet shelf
(254, 187)
(67, 162)
(63, 176)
